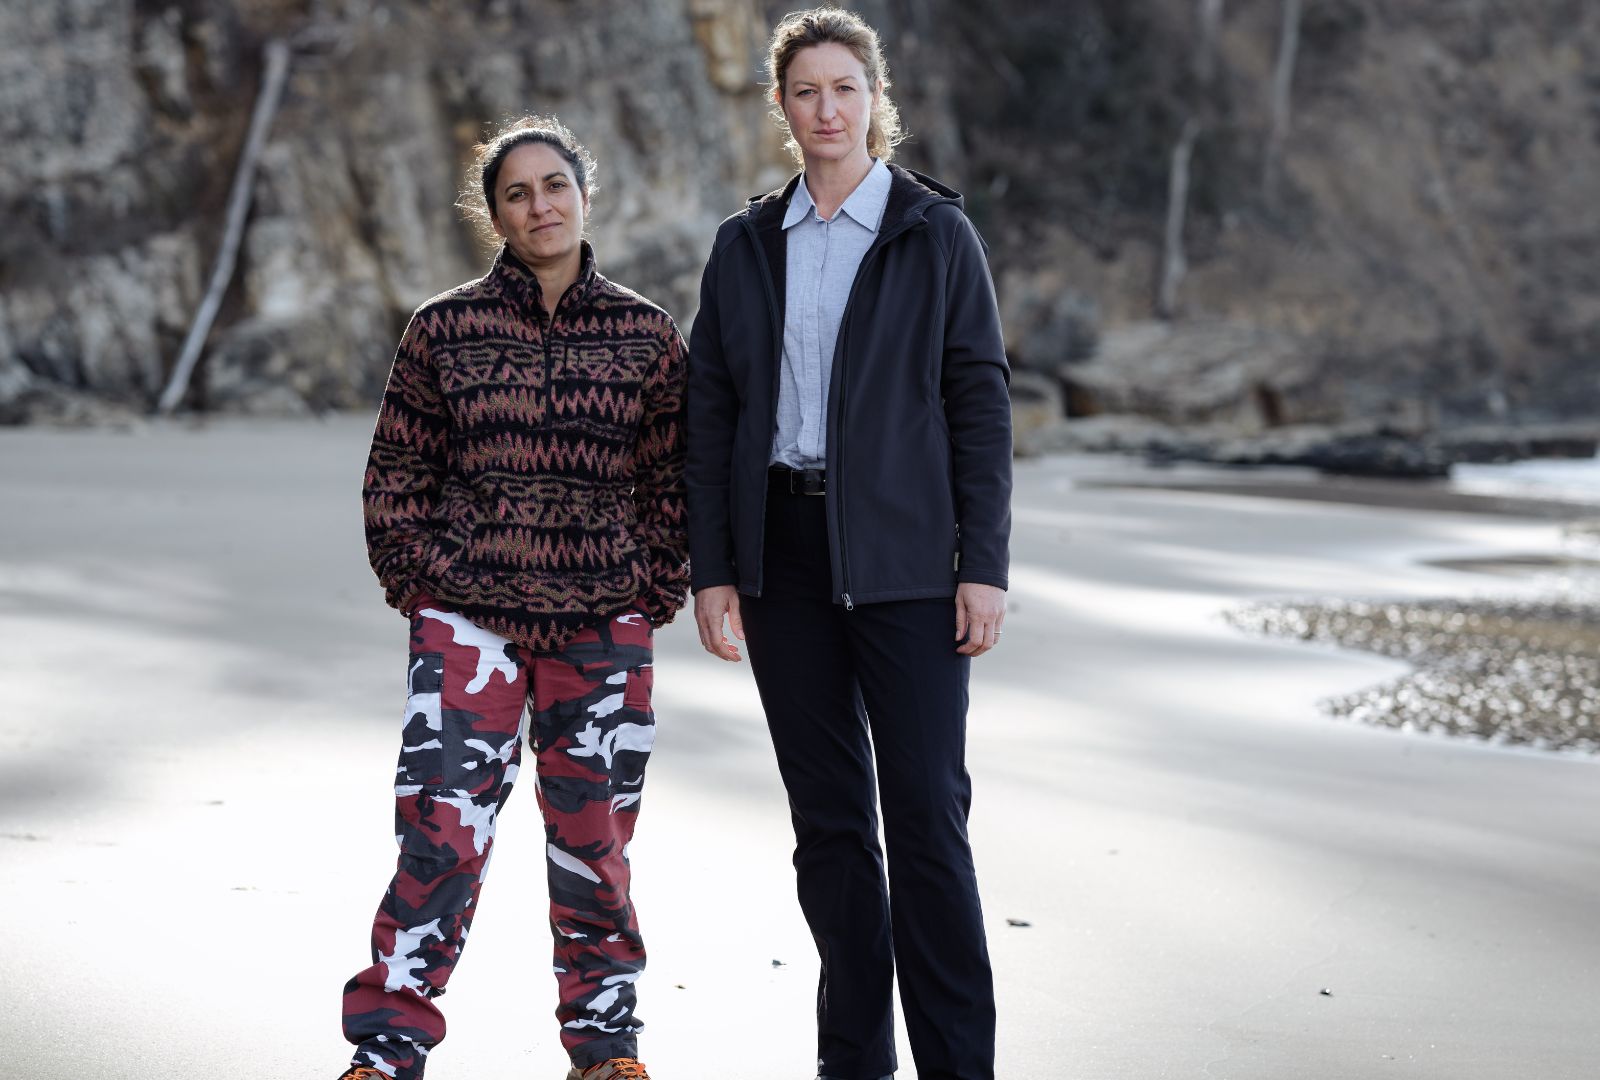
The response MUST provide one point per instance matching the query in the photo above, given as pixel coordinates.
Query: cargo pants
(591, 728)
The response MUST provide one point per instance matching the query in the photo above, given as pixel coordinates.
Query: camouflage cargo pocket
(636, 692)
(421, 743)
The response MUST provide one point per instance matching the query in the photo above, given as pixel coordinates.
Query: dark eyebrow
(546, 178)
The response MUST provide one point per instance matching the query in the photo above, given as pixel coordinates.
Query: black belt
(798, 481)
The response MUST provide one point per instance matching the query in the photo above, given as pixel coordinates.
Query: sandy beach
(1219, 878)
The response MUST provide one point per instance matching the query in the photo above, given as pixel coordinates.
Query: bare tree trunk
(1174, 261)
(1282, 82)
(945, 149)
(273, 77)
(1205, 60)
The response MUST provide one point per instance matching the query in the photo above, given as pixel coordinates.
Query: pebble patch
(1517, 672)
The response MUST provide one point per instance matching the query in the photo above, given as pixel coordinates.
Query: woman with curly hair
(524, 506)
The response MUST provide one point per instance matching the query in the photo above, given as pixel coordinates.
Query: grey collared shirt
(823, 256)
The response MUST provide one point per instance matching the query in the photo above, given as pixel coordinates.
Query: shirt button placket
(814, 449)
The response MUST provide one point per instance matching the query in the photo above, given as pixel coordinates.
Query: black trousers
(845, 691)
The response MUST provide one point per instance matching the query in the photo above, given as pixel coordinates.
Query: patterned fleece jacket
(527, 471)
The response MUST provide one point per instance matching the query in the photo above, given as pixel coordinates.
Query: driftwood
(1282, 81)
(1174, 261)
(1205, 59)
(273, 76)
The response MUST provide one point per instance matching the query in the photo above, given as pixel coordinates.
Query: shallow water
(1543, 478)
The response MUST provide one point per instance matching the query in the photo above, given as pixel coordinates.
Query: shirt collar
(865, 204)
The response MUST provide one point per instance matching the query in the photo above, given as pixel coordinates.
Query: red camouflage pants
(591, 728)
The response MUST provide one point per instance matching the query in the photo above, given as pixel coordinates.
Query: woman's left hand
(980, 611)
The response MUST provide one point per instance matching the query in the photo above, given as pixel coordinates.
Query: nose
(828, 107)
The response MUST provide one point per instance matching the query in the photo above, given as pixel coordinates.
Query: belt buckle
(802, 481)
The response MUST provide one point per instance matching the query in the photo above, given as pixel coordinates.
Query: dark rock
(1336, 451)
(1361, 451)
(1486, 444)
(1111, 434)
(1201, 372)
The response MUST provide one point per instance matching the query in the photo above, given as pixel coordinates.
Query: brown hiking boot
(614, 1069)
(362, 1072)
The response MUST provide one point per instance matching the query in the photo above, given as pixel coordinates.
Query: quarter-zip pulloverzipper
(547, 322)
(547, 326)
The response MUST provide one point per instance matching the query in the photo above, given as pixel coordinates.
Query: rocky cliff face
(1429, 258)
(1426, 252)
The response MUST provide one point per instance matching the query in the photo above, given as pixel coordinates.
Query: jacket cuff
(975, 575)
(403, 596)
(711, 579)
(662, 603)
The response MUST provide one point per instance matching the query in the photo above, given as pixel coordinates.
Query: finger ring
(997, 633)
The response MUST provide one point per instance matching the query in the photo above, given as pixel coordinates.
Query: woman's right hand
(710, 606)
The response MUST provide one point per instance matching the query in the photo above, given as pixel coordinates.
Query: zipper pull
(849, 605)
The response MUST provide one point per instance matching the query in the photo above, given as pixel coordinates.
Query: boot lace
(621, 1069)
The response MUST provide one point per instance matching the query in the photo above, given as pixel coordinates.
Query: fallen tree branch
(1174, 260)
(1282, 82)
(273, 76)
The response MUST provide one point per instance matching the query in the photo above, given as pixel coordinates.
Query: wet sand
(203, 692)
(1308, 485)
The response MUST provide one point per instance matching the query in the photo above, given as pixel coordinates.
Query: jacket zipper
(546, 325)
(836, 448)
(777, 364)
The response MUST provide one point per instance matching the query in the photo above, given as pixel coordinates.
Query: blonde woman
(849, 490)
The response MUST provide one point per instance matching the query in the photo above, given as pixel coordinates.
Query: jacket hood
(910, 194)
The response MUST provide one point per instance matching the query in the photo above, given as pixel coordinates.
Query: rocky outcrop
(1200, 371)
(1350, 449)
